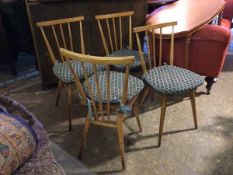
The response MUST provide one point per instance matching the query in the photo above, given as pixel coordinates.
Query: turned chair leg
(192, 98)
(69, 105)
(162, 117)
(60, 86)
(84, 139)
(136, 114)
(121, 139)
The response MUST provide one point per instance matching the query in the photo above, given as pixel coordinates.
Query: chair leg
(84, 139)
(145, 94)
(136, 114)
(162, 117)
(69, 105)
(60, 86)
(121, 139)
(192, 98)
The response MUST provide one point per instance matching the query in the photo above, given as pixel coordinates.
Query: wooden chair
(116, 34)
(163, 80)
(109, 95)
(67, 33)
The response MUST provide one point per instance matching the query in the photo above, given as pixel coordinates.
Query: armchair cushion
(18, 142)
(169, 79)
(42, 161)
(135, 86)
(62, 70)
(4, 149)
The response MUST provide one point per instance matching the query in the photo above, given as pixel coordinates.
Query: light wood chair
(116, 35)
(110, 96)
(67, 33)
(163, 80)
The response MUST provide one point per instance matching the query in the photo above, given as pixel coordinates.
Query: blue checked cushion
(135, 86)
(169, 79)
(62, 70)
(126, 52)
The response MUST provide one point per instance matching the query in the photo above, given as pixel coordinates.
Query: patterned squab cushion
(169, 79)
(126, 52)
(135, 86)
(18, 142)
(62, 70)
(4, 152)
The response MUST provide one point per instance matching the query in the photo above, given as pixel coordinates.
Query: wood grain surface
(189, 14)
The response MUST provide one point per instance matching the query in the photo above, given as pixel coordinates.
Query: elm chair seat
(62, 70)
(135, 86)
(127, 52)
(169, 79)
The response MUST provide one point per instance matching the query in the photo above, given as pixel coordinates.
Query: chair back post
(111, 27)
(81, 37)
(160, 45)
(130, 33)
(51, 54)
(60, 33)
(101, 107)
(154, 41)
(66, 55)
(172, 47)
(107, 80)
(140, 53)
(125, 86)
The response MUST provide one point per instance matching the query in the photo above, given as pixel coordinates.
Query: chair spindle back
(100, 105)
(154, 43)
(62, 33)
(113, 30)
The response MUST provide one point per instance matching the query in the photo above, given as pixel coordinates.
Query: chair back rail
(114, 28)
(154, 44)
(62, 33)
(101, 109)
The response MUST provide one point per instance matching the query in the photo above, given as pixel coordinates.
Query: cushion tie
(126, 110)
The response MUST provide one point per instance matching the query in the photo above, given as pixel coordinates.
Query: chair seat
(169, 79)
(135, 86)
(126, 52)
(62, 70)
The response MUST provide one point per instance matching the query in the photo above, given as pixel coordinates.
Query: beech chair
(161, 79)
(67, 33)
(116, 35)
(110, 96)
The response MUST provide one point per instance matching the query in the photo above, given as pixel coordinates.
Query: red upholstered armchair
(208, 49)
